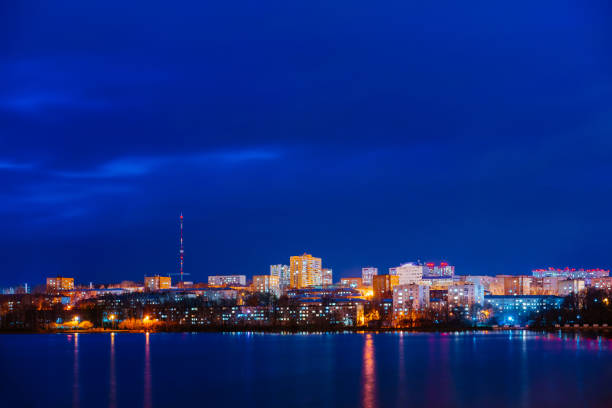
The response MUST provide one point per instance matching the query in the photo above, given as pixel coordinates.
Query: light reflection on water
(369, 374)
(401, 377)
(147, 401)
(75, 365)
(511, 368)
(113, 379)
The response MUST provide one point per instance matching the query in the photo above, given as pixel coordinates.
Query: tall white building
(410, 272)
(367, 274)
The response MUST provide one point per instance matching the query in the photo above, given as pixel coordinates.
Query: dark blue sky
(366, 133)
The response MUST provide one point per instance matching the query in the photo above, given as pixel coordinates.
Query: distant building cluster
(304, 292)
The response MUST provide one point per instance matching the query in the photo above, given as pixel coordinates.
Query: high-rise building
(328, 276)
(410, 272)
(382, 285)
(227, 280)
(408, 298)
(266, 284)
(154, 283)
(366, 275)
(393, 271)
(305, 270)
(59, 283)
(282, 271)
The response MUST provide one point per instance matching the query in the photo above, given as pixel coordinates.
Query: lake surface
(495, 369)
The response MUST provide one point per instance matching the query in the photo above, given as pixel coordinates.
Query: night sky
(363, 132)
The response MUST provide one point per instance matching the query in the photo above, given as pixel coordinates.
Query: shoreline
(605, 332)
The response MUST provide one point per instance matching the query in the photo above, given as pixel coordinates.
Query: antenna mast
(181, 250)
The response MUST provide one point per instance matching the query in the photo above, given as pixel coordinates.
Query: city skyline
(351, 273)
(357, 272)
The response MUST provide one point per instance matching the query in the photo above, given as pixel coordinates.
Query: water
(502, 369)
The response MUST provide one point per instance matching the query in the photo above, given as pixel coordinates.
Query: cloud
(9, 165)
(237, 156)
(140, 166)
(35, 102)
(126, 167)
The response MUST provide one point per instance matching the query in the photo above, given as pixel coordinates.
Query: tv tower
(181, 251)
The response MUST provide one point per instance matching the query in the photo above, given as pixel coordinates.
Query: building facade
(515, 309)
(466, 294)
(367, 274)
(572, 273)
(410, 273)
(351, 282)
(59, 283)
(227, 280)
(284, 277)
(328, 276)
(571, 286)
(382, 285)
(438, 282)
(305, 270)
(516, 285)
(409, 298)
(604, 283)
(545, 286)
(441, 269)
(153, 283)
(484, 280)
(267, 284)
